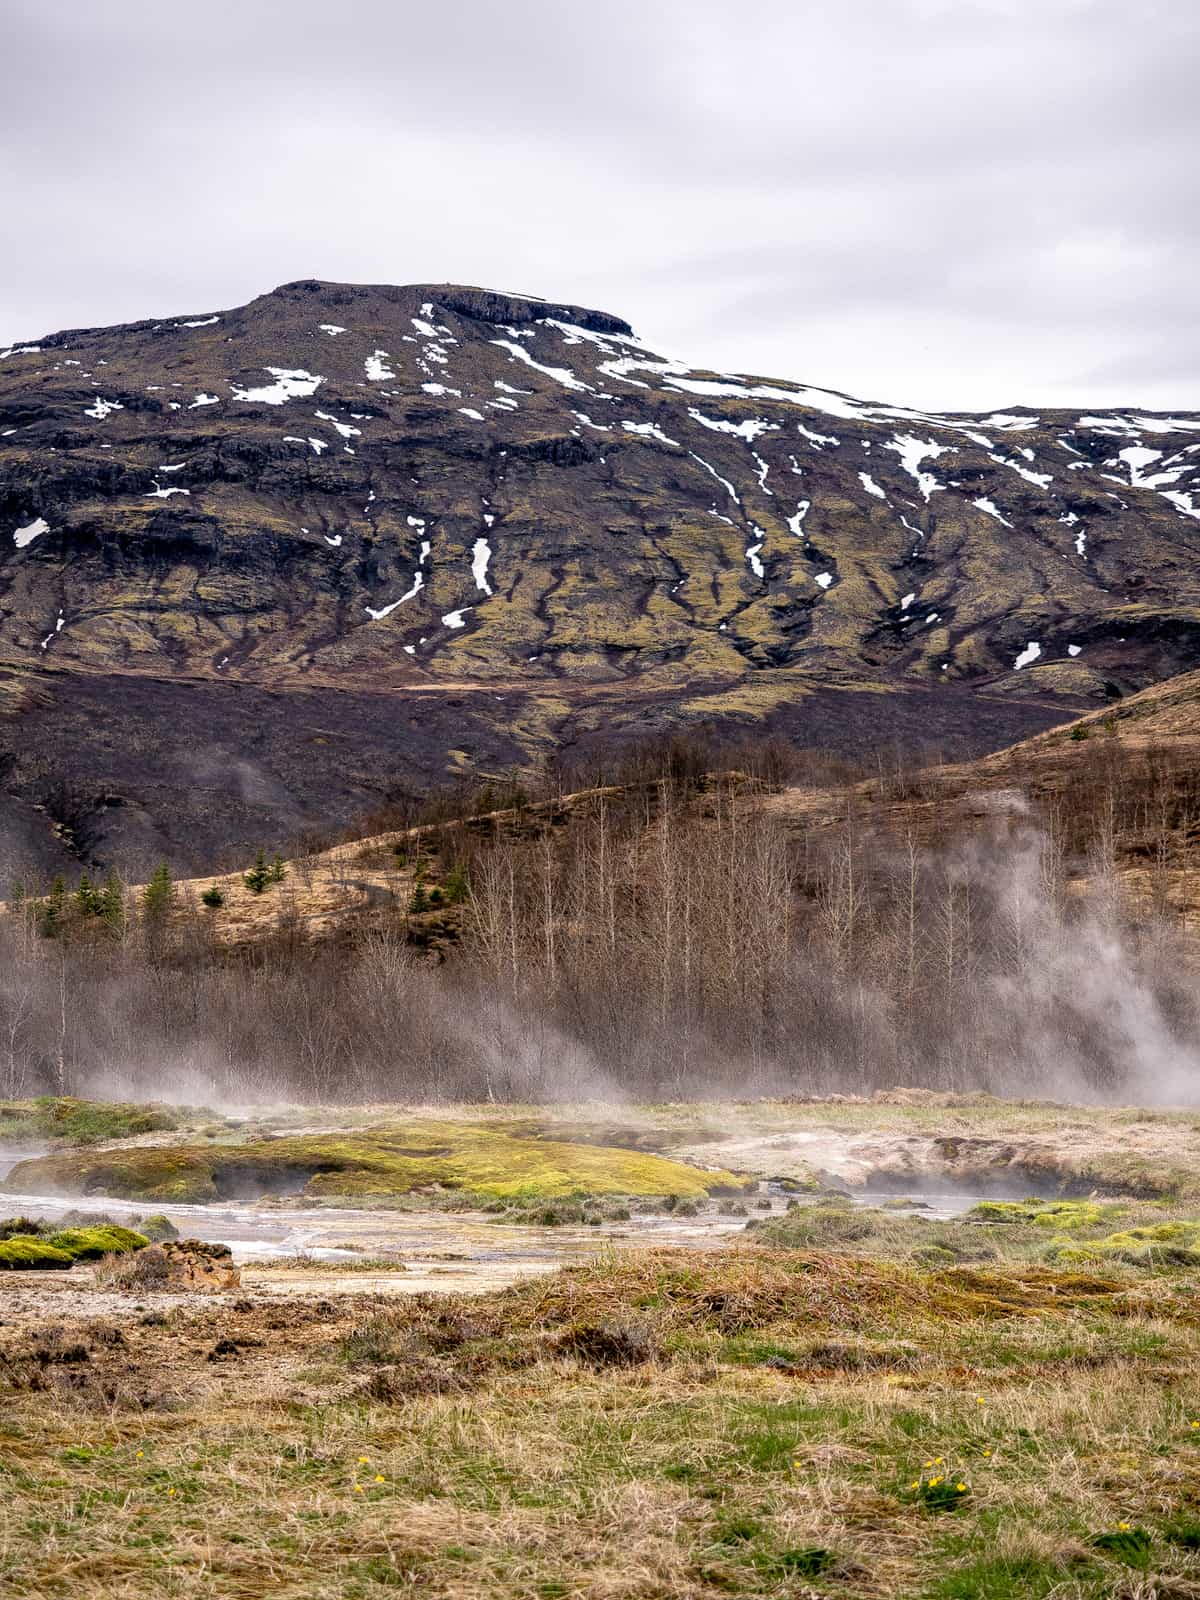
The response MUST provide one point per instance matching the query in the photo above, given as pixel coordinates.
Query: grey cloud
(949, 202)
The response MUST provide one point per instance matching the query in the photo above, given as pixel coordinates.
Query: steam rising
(682, 957)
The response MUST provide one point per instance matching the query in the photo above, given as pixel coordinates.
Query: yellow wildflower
(379, 1477)
(1123, 1526)
(358, 1489)
(961, 1487)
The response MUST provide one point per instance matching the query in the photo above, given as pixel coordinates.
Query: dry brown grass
(244, 1453)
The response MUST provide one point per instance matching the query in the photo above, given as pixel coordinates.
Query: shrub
(21, 1227)
(607, 1344)
(139, 1269)
(212, 897)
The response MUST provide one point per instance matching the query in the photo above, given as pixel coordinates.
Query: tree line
(677, 934)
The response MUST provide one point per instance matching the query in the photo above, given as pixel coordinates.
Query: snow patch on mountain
(990, 506)
(912, 452)
(749, 430)
(291, 383)
(481, 554)
(562, 375)
(101, 408)
(376, 366)
(418, 584)
(23, 537)
(650, 430)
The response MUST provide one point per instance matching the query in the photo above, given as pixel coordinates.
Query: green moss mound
(484, 1162)
(26, 1253)
(1168, 1244)
(156, 1227)
(1060, 1216)
(89, 1244)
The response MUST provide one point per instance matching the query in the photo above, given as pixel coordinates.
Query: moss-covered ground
(46, 1249)
(463, 1159)
(1069, 1233)
(667, 1426)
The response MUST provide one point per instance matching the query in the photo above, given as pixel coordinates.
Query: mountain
(265, 567)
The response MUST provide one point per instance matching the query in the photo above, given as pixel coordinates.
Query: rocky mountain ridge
(264, 565)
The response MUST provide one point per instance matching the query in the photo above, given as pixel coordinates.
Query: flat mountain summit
(267, 566)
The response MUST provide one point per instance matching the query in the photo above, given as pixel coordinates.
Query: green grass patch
(76, 1121)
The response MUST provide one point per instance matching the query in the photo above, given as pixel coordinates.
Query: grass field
(755, 1421)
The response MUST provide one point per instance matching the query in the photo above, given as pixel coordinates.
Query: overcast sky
(955, 203)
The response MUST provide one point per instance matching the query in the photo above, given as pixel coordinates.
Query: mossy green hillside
(467, 1160)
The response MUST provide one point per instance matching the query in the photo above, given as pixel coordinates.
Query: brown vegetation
(779, 925)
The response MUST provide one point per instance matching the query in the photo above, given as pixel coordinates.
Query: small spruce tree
(112, 902)
(259, 876)
(159, 892)
(277, 871)
(87, 897)
(212, 897)
(455, 887)
(52, 911)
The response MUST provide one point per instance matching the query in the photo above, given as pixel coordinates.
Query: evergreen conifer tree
(159, 892)
(112, 902)
(257, 879)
